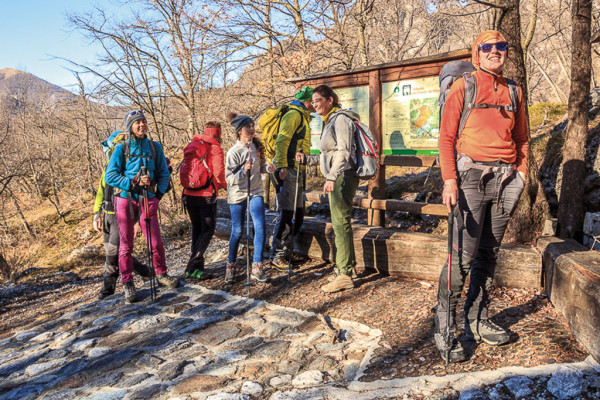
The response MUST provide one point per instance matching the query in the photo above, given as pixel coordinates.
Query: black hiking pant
(486, 210)
(284, 231)
(285, 199)
(110, 230)
(203, 216)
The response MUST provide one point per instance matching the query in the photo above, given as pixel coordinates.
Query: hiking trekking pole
(455, 213)
(294, 217)
(146, 205)
(248, 233)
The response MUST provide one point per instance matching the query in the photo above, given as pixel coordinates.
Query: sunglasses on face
(487, 47)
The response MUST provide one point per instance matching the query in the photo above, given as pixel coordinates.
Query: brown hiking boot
(130, 293)
(341, 282)
(257, 273)
(167, 280)
(336, 272)
(230, 273)
(280, 265)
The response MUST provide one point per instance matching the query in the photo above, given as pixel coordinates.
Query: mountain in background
(15, 84)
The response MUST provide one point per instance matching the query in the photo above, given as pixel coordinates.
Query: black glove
(159, 195)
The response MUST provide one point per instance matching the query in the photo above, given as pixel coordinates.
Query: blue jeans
(238, 220)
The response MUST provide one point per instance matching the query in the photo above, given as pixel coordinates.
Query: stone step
(572, 281)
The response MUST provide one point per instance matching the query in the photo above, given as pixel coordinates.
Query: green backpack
(268, 124)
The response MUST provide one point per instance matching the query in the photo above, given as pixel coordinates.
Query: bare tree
(571, 208)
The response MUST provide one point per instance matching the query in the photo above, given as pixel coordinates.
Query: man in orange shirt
(484, 169)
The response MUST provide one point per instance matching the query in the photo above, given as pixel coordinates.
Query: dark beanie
(131, 117)
(240, 121)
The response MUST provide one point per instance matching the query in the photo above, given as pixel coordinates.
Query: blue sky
(33, 31)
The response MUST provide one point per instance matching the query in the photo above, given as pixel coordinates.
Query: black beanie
(241, 121)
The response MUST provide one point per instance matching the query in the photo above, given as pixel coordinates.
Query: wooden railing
(316, 196)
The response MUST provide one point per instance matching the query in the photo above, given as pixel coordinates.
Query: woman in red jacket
(202, 174)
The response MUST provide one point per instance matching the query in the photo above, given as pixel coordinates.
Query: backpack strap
(514, 94)
(471, 95)
(153, 151)
(469, 100)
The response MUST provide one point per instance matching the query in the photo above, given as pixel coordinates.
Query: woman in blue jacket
(124, 173)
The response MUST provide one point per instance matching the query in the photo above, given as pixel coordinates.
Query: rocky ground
(286, 340)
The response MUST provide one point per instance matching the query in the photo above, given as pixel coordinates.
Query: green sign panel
(355, 99)
(410, 115)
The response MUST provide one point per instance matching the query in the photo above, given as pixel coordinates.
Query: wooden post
(376, 189)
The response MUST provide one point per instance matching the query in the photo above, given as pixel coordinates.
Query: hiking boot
(336, 272)
(280, 264)
(104, 295)
(257, 273)
(341, 282)
(487, 331)
(167, 280)
(130, 293)
(230, 273)
(299, 258)
(456, 353)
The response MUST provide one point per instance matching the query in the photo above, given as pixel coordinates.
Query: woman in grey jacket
(247, 156)
(342, 182)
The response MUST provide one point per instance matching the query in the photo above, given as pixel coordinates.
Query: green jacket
(294, 134)
(100, 196)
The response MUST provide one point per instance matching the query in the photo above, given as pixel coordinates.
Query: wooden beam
(316, 196)
(411, 72)
(376, 187)
(438, 58)
(409, 161)
(337, 82)
(415, 255)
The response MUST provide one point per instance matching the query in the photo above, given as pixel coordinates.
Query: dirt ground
(401, 308)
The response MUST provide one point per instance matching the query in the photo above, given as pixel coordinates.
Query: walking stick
(146, 205)
(294, 218)
(455, 213)
(248, 230)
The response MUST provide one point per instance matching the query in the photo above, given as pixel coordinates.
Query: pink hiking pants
(126, 235)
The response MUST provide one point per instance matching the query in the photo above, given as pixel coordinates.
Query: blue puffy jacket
(121, 176)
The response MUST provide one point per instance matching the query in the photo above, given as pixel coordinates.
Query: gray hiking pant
(487, 206)
(111, 247)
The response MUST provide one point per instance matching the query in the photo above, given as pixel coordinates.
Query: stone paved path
(191, 341)
(199, 343)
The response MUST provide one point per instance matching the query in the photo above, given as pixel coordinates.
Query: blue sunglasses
(487, 47)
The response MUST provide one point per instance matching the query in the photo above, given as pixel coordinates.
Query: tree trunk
(20, 212)
(571, 207)
(510, 26)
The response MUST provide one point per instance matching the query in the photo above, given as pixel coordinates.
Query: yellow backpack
(268, 124)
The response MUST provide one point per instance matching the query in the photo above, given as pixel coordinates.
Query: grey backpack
(454, 70)
(365, 155)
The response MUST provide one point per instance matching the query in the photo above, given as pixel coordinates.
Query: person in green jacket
(108, 226)
(291, 147)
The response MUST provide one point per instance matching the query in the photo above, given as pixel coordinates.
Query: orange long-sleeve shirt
(489, 134)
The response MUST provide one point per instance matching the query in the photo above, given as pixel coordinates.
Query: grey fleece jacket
(237, 181)
(337, 144)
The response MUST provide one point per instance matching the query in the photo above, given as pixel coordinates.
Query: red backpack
(195, 173)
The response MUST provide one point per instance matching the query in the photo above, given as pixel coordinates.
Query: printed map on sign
(410, 111)
(355, 99)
